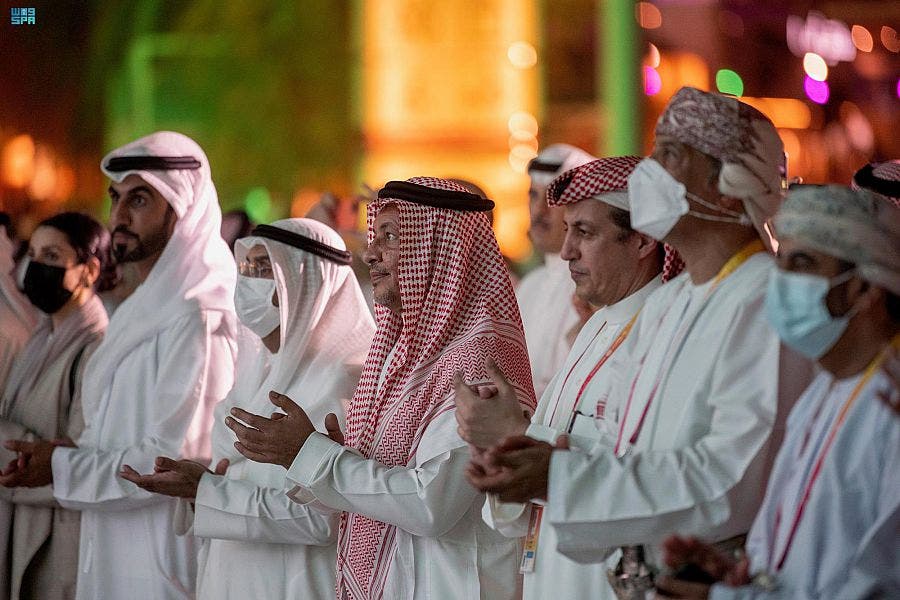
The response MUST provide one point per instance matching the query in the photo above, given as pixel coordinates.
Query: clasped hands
(275, 440)
(683, 554)
(504, 461)
(33, 466)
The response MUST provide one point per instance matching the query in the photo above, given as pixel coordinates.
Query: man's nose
(371, 255)
(568, 252)
(118, 215)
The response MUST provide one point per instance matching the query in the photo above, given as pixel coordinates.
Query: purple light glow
(652, 81)
(898, 87)
(817, 91)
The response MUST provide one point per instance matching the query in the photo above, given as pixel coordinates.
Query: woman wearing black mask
(67, 254)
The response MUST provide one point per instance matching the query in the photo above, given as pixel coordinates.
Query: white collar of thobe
(628, 306)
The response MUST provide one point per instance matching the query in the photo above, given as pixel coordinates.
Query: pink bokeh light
(652, 81)
(817, 91)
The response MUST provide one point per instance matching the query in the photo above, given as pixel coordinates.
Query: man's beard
(144, 248)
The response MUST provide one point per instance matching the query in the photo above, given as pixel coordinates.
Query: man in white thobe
(546, 294)
(615, 268)
(829, 525)
(150, 387)
(411, 526)
(299, 298)
(702, 386)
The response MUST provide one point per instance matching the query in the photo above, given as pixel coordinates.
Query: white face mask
(658, 201)
(253, 304)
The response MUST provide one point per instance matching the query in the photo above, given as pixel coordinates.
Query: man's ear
(171, 219)
(863, 295)
(647, 246)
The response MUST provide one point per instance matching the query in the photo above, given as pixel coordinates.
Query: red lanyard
(733, 263)
(609, 352)
(569, 374)
(820, 459)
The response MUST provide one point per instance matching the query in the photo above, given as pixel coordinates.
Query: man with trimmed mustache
(150, 387)
(411, 526)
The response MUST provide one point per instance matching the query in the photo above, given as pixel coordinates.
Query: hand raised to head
(275, 440)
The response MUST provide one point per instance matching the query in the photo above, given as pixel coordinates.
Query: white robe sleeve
(598, 501)
(426, 500)
(510, 519)
(231, 509)
(192, 365)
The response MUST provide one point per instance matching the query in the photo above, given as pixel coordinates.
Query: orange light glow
(18, 161)
(448, 89)
(786, 113)
(304, 200)
(679, 69)
(862, 39)
(648, 15)
(889, 39)
(43, 184)
(65, 184)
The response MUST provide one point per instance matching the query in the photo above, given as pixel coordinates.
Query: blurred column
(620, 86)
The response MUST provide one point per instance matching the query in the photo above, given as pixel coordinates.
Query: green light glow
(620, 77)
(258, 204)
(729, 82)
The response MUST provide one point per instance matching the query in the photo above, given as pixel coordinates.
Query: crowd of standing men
(696, 396)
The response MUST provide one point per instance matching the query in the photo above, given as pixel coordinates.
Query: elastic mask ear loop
(733, 216)
(841, 279)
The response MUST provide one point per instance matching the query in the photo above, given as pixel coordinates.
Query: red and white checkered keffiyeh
(458, 309)
(603, 176)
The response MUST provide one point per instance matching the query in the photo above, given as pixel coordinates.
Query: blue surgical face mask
(795, 306)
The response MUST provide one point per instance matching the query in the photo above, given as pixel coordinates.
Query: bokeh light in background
(862, 39)
(652, 81)
(729, 82)
(817, 91)
(522, 55)
(889, 39)
(815, 66)
(258, 204)
(292, 101)
(18, 161)
(648, 15)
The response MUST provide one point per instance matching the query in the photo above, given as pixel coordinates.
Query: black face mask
(44, 287)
